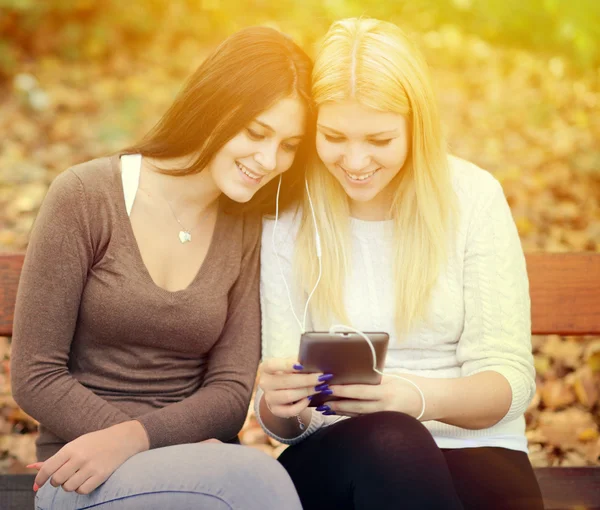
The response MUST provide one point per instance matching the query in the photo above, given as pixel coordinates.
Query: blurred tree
(80, 29)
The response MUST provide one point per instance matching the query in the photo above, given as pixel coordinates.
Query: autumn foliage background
(519, 87)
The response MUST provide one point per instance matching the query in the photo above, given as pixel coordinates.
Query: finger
(274, 365)
(76, 480)
(50, 467)
(90, 484)
(35, 465)
(272, 382)
(356, 391)
(62, 474)
(288, 397)
(211, 440)
(355, 406)
(290, 410)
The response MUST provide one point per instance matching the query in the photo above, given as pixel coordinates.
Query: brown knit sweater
(97, 343)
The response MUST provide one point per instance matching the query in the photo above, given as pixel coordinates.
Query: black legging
(390, 461)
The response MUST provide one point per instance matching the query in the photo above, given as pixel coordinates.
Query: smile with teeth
(361, 177)
(245, 170)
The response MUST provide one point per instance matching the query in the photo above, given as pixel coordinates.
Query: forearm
(215, 411)
(61, 403)
(134, 436)
(477, 401)
(285, 428)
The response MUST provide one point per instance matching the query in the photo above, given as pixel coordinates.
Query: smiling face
(264, 149)
(363, 148)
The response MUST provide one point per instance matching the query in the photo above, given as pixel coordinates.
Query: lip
(247, 178)
(359, 182)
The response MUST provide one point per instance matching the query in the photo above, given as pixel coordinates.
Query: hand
(286, 391)
(391, 395)
(87, 462)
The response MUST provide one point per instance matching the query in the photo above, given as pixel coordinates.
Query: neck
(197, 189)
(376, 209)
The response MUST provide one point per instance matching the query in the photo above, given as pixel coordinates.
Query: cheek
(286, 160)
(393, 157)
(327, 152)
(239, 146)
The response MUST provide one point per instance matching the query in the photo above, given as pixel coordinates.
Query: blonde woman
(420, 245)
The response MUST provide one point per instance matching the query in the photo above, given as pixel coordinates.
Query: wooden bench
(565, 295)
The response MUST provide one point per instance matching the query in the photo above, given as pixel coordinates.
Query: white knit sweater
(479, 310)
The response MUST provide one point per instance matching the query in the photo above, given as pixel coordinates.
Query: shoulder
(97, 175)
(279, 237)
(472, 183)
(285, 227)
(476, 189)
(91, 177)
(77, 183)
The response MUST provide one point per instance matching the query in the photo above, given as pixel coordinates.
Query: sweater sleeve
(58, 257)
(280, 329)
(497, 328)
(219, 408)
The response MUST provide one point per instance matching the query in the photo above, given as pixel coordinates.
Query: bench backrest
(10, 270)
(564, 288)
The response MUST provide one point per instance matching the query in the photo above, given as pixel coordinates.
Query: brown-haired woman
(137, 325)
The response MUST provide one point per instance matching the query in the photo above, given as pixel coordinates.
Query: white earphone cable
(336, 327)
(279, 262)
(342, 327)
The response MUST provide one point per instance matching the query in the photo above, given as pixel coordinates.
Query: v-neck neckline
(209, 258)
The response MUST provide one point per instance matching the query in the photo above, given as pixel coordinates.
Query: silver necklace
(185, 235)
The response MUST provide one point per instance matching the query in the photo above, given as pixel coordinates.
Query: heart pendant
(184, 236)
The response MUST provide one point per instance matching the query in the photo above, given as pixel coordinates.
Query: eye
(381, 143)
(290, 147)
(333, 139)
(253, 135)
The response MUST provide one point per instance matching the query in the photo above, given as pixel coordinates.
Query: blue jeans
(186, 477)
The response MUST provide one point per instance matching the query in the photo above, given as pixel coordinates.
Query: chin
(241, 196)
(363, 196)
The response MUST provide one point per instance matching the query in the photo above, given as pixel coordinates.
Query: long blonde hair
(376, 64)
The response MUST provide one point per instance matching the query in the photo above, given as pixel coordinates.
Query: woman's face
(363, 148)
(261, 151)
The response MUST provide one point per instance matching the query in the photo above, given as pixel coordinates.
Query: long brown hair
(244, 76)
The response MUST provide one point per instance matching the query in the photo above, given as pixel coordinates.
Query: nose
(267, 157)
(356, 159)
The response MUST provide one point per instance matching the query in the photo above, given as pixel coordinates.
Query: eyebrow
(266, 126)
(390, 132)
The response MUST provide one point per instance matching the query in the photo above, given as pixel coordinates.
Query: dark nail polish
(298, 366)
(327, 392)
(324, 407)
(322, 387)
(325, 377)
(310, 397)
(329, 413)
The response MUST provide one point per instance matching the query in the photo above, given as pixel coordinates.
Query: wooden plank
(565, 293)
(570, 488)
(10, 270)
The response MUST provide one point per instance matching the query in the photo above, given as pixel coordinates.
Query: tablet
(346, 355)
